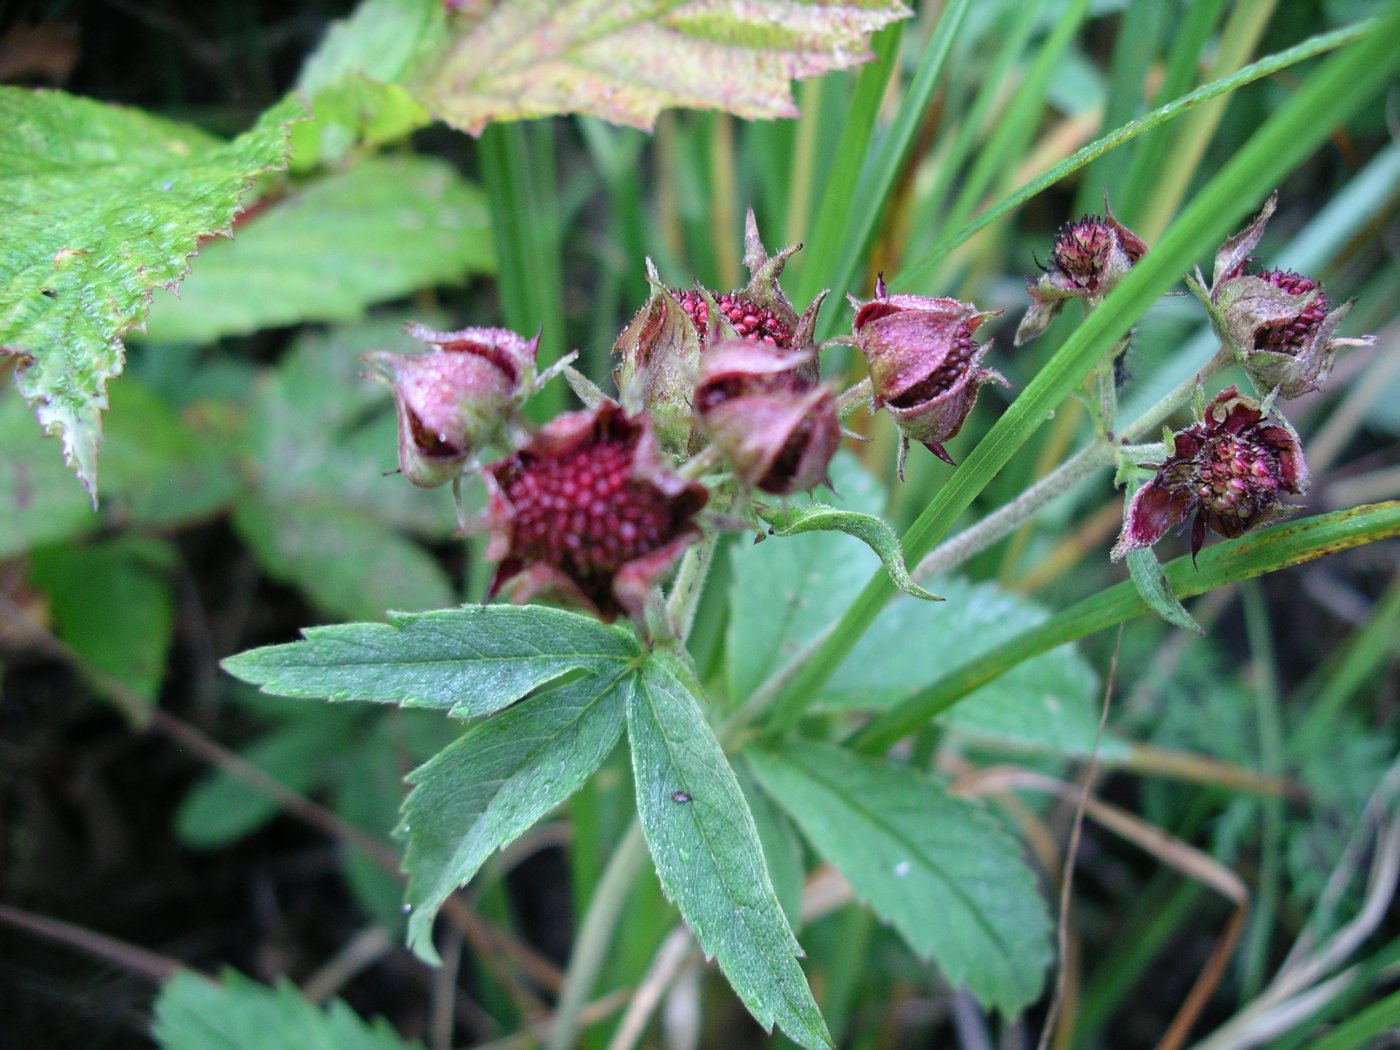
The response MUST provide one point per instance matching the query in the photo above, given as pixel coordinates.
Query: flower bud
(659, 351)
(1087, 260)
(588, 514)
(456, 397)
(776, 426)
(925, 368)
(658, 360)
(1229, 473)
(1277, 321)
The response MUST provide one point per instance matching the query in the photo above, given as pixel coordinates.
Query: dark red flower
(1087, 260)
(455, 398)
(1231, 471)
(775, 425)
(925, 368)
(587, 513)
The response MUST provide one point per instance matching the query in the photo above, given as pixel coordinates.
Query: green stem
(591, 945)
(690, 585)
(977, 538)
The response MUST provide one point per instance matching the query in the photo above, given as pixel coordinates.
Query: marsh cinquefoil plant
(688, 562)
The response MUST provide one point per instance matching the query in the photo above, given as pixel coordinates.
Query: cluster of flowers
(593, 508)
(1229, 471)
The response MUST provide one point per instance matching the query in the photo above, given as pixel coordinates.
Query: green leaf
(126, 633)
(469, 661)
(627, 61)
(101, 206)
(489, 787)
(383, 40)
(1047, 702)
(940, 869)
(781, 848)
(870, 530)
(344, 559)
(355, 79)
(353, 112)
(194, 1013)
(159, 470)
(708, 856)
(785, 592)
(223, 808)
(325, 517)
(1151, 584)
(386, 227)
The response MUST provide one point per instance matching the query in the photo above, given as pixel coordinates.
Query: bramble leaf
(470, 661)
(937, 867)
(194, 1013)
(384, 228)
(627, 61)
(100, 206)
(707, 852)
(486, 789)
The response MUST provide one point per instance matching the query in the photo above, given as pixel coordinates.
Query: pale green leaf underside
(470, 661)
(482, 792)
(626, 61)
(382, 229)
(708, 856)
(99, 206)
(1152, 584)
(194, 1013)
(1047, 702)
(873, 531)
(938, 868)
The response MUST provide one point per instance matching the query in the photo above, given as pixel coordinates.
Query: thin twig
(154, 967)
(1072, 853)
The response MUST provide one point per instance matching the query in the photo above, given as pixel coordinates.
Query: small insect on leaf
(680, 796)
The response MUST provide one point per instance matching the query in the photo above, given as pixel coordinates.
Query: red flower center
(750, 320)
(1081, 252)
(1289, 337)
(584, 512)
(1236, 478)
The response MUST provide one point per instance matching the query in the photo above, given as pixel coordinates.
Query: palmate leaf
(939, 868)
(99, 206)
(707, 851)
(486, 789)
(469, 661)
